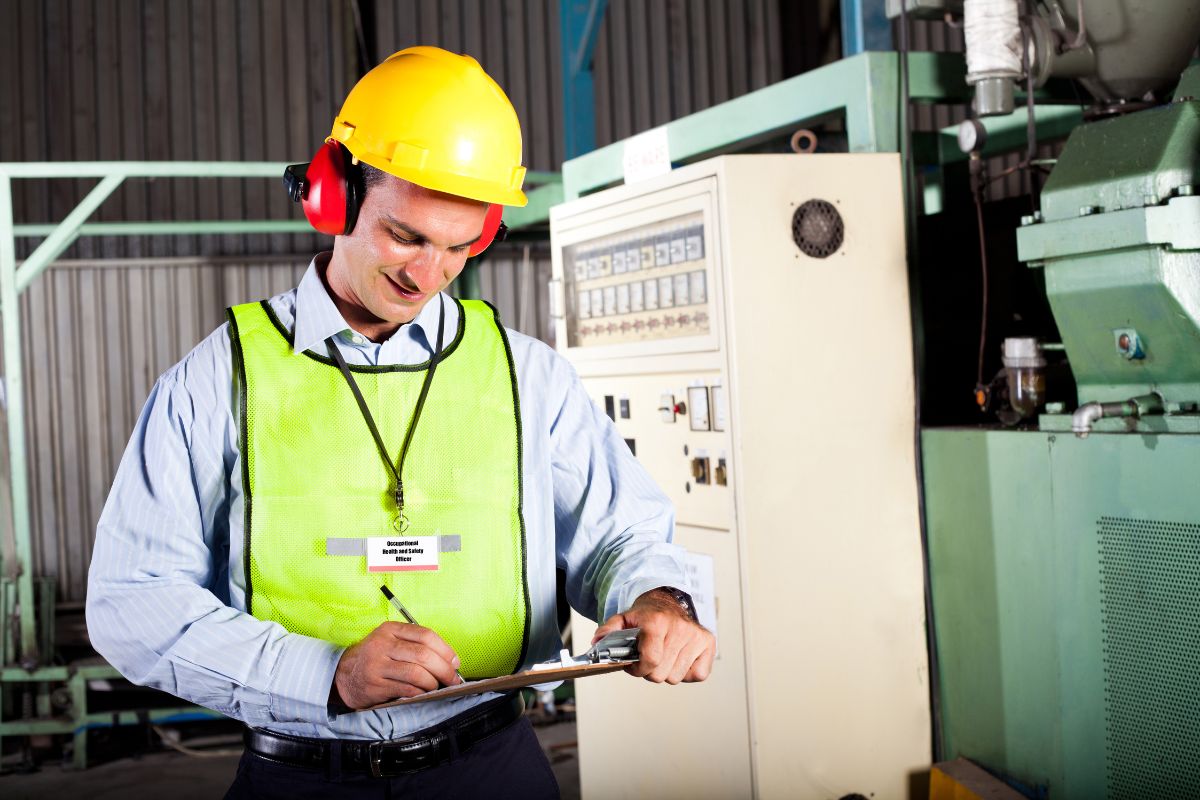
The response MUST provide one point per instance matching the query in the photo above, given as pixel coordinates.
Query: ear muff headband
(330, 189)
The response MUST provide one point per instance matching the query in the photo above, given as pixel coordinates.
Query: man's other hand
(395, 660)
(671, 647)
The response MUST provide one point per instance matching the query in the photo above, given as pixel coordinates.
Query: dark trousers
(507, 764)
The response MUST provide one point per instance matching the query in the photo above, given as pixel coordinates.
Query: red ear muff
(493, 229)
(328, 189)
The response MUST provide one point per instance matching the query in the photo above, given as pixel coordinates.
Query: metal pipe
(174, 227)
(144, 169)
(1134, 408)
(993, 37)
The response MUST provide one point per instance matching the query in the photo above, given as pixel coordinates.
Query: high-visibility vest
(311, 471)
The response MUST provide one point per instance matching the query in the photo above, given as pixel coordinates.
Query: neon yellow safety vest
(311, 471)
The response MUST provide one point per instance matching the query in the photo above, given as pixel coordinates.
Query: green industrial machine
(1064, 551)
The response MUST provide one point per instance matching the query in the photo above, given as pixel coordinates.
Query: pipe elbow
(1084, 417)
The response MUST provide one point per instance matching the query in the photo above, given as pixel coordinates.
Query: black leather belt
(421, 750)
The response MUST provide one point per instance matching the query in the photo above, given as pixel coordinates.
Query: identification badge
(402, 553)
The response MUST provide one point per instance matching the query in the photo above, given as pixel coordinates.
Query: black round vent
(817, 229)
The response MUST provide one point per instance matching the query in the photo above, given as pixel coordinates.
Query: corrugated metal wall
(657, 61)
(97, 335)
(516, 41)
(247, 80)
(256, 80)
(169, 80)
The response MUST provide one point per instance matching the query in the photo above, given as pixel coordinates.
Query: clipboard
(614, 652)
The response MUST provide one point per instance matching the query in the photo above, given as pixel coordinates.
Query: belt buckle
(375, 760)
(423, 760)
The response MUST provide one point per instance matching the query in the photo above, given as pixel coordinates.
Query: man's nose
(428, 267)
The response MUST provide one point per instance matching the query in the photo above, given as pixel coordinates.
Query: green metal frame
(34, 637)
(80, 721)
(13, 281)
(864, 89)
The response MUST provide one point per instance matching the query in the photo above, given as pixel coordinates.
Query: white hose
(993, 34)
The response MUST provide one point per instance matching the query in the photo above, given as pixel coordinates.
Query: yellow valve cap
(438, 120)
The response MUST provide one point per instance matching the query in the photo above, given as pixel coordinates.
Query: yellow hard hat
(438, 120)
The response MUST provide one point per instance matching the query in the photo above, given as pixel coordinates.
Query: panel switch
(700, 470)
(668, 408)
(720, 476)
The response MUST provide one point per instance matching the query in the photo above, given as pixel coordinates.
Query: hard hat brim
(450, 183)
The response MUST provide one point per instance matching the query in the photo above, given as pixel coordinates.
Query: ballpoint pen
(395, 601)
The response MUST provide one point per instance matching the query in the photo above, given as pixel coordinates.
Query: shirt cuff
(302, 679)
(622, 600)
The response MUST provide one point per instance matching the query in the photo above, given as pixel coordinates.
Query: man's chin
(401, 313)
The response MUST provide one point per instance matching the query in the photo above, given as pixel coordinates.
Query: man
(231, 559)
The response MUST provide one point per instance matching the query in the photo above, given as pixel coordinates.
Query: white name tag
(402, 553)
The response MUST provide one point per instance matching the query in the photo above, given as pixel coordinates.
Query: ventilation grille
(1150, 617)
(817, 229)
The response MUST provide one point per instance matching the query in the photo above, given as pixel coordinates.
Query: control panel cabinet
(745, 324)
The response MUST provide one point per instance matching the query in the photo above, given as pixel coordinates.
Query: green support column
(14, 389)
(78, 687)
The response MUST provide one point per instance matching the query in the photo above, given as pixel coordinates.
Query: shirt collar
(317, 318)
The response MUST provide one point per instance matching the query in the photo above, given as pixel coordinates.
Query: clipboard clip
(617, 647)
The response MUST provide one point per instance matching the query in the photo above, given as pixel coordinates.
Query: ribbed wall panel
(516, 41)
(514, 280)
(657, 61)
(96, 335)
(175, 80)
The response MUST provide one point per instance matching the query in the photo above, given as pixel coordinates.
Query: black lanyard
(400, 523)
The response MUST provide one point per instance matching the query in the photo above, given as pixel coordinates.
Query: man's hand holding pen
(397, 659)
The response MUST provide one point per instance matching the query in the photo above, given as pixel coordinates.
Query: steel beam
(865, 26)
(14, 390)
(579, 22)
(169, 228)
(56, 674)
(106, 719)
(144, 169)
(66, 232)
(1007, 133)
(538, 210)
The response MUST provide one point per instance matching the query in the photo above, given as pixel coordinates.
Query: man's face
(408, 244)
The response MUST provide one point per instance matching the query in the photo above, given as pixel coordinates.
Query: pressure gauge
(971, 135)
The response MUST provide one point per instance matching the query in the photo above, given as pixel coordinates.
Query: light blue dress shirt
(166, 594)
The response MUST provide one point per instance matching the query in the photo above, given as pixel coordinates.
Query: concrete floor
(182, 777)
